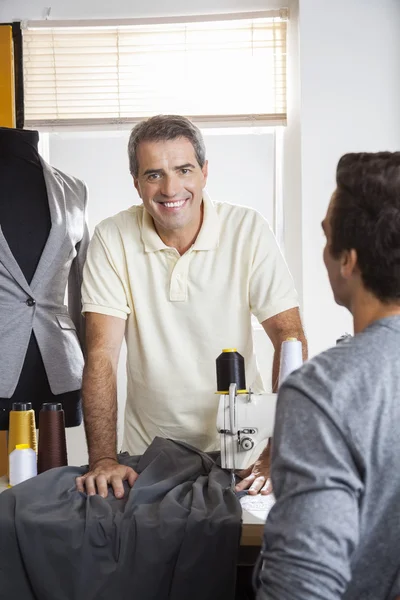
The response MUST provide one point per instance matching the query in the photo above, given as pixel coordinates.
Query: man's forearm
(275, 369)
(100, 408)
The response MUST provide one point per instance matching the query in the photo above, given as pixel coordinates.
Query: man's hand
(106, 472)
(256, 477)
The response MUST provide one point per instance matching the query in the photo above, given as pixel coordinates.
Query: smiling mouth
(173, 205)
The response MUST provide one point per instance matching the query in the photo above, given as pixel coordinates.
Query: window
(218, 69)
(243, 169)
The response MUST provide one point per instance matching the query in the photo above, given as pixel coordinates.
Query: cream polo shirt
(182, 311)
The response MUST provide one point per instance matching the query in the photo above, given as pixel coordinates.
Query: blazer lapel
(56, 199)
(8, 260)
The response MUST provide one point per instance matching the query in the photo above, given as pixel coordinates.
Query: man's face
(334, 266)
(170, 183)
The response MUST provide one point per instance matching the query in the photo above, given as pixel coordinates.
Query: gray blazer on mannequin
(41, 306)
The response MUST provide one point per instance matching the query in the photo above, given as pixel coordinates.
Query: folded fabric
(175, 535)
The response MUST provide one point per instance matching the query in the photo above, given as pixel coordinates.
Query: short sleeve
(103, 288)
(271, 287)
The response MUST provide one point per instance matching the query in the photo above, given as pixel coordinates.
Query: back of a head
(366, 217)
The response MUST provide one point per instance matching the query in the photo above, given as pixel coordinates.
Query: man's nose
(170, 186)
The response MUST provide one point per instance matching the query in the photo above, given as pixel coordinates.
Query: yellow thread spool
(22, 428)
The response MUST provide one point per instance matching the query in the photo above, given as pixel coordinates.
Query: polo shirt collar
(151, 240)
(207, 238)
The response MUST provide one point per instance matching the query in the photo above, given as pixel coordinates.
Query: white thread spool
(23, 464)
(291, 358)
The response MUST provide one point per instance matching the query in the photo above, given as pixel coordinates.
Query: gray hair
(162, 128)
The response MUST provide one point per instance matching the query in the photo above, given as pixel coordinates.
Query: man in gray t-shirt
(334, 531)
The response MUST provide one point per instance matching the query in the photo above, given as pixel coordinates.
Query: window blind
(224, 70)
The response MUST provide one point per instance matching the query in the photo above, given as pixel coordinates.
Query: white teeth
(174, 204)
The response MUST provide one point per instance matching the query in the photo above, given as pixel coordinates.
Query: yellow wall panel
(7, 94)
(7, 119)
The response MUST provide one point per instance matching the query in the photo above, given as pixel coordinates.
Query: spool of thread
(230, 369)
(3, 453)
(52, 443)
(23, 464)
(343, 338)
(291, 358)
(22, 428)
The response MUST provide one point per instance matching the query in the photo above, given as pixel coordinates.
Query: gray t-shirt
(334, 531)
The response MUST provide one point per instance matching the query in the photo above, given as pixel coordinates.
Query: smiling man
(180, 277)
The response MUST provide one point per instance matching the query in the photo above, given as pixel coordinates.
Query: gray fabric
(61, 263)
(334, 531)
(175, 536)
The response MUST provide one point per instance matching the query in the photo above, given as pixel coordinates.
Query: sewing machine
(245, 421)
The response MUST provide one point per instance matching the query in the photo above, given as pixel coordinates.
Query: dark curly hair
(366, 217)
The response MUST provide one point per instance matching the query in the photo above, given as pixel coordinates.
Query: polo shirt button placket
(178, 282)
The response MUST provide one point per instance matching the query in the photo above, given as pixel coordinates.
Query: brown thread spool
(22, 428)
(52, 442)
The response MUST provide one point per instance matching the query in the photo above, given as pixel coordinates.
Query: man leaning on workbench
(180, 276)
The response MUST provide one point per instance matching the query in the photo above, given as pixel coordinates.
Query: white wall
(350, 99)
(291, 155)
(92, 9)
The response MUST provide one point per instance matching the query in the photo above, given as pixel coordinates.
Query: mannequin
(26, 221)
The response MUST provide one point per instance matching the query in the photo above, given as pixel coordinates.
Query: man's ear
(136, 184)
(348, 263)
(204, 170)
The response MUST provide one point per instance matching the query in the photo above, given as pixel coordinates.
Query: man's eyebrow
(150, 171)
(185, 166)
(178, 168)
